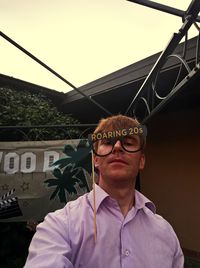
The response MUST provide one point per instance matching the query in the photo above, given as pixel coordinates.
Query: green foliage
(64, 181)
(80, 156)
(69, 170)
(22, 108)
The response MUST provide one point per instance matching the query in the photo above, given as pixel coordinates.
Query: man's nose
(117, 146)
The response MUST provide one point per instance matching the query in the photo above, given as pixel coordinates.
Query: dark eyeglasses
(103, 145)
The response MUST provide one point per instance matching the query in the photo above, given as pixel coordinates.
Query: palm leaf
(82, 156)
(62, 195)
(82, 180)
(51, 182)
(54, 193)
(68, 150)
(62, 162)
(57, 173)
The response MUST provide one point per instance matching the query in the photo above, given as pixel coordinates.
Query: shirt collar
(140, 200)
(100, 195)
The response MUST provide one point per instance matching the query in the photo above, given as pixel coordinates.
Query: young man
(127, 231)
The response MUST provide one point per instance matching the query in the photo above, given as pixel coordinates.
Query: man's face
(120, 164)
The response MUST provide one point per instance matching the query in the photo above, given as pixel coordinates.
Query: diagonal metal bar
(193, 74)
(191, 12)
(52, 71)
(159, 63)
(163, 8)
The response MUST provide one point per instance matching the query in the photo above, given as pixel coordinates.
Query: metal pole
(193, 74)
(163, 8)
(52, 71)
(191, 12)
(159, 63)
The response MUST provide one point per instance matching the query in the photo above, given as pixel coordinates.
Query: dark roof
(116, 90)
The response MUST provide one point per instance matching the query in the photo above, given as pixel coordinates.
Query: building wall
(171, 178)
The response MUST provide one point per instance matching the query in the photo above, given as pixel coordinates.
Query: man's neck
(123, 193)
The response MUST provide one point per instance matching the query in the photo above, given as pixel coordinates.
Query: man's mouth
(117, 160)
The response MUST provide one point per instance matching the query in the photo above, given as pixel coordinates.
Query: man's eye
(106, 142)
(130, 141)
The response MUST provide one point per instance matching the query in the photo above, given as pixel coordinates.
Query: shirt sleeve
(178, 260)
(50, 246)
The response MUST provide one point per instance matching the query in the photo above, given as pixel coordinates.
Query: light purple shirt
(142, 239)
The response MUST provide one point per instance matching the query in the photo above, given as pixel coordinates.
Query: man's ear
(96, 162)
(142, 162)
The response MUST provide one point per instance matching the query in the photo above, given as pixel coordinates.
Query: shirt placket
(126, 249)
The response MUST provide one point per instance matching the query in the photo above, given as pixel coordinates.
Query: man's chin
(118, 176)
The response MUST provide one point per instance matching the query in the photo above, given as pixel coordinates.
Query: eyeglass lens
(130, 144)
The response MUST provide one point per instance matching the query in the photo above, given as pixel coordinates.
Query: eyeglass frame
(139, 130)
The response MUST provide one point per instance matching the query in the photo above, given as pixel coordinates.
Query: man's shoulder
(142, 202)
(150, 210)
(78, 202)
(72, 207)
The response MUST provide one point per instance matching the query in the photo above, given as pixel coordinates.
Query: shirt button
(127, 252)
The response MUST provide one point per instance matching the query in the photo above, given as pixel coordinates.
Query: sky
(82, 40)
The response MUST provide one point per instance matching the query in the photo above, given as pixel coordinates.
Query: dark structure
(116, 90)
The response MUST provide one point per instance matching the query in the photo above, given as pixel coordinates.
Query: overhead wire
(53, 72)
